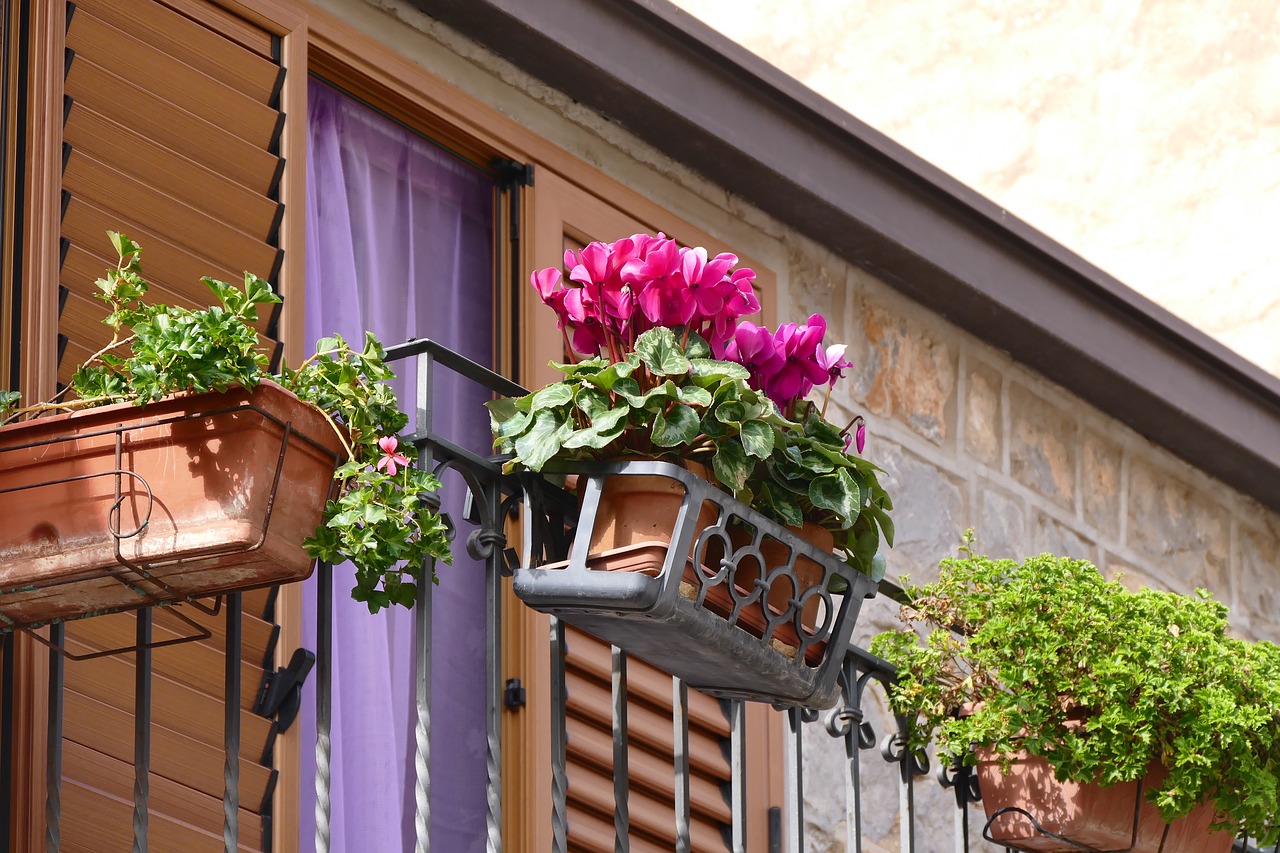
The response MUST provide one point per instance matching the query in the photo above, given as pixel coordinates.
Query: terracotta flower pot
(1088, 814)
(774, 554)
(632, 533)
(634, 521)
(215, 493)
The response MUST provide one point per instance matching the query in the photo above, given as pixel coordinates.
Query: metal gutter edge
(724, 112)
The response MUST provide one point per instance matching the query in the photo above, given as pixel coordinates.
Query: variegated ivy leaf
(757, 439)
(731, 465)
(553, 395)
(679, 426)
(694, 395)
(710, 368)
(592, 402)
(731, 412)
(837, 493)
(661, 352)
(609, 376)
(543, 440)
(594, 437)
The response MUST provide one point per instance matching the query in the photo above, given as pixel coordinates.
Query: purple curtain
(400, 242)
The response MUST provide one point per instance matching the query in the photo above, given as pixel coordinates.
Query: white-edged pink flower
(391, 461)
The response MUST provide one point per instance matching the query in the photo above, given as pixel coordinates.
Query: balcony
(848, 781)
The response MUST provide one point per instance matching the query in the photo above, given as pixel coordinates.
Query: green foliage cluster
(380, 522)
(1049, 657)
(669, 399)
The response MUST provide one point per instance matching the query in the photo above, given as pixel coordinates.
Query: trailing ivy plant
(1048, 656)
(382, 519)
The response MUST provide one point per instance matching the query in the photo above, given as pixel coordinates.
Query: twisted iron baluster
(621, 777)
(559, 739)
(681, 723)
(324, 700)
(422, 728)
(53, 781)
(231, 728)
(142, 732)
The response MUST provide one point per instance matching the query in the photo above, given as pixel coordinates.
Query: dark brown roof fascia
(713, 106)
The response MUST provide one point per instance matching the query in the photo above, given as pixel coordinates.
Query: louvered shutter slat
(219, 20)
(198, 46)
(115, 779)
(170, 172)
(139, 63)
(172, 126)
(109, 730)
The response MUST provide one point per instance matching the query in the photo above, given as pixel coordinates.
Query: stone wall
(968, 438)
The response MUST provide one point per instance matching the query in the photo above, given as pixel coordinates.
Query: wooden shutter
(565, 217)
(174, 133)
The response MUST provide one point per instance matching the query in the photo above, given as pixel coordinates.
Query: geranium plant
(662, 364)
(1049, 657)
(381, 519)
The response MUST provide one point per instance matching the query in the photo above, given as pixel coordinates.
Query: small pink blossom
(833, 361)
(861, 434)
(390, 458)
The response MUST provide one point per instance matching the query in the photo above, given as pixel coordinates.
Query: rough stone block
(1183, 533)
(1000, 526)
(1052, 536)
(1042, 446)
(983, 417)
(1257, 577)
(906, 372)
(929, 511)
(1100, 467)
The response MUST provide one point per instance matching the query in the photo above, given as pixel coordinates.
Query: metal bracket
(280, 695)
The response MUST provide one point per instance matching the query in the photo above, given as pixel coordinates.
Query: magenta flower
(801, 369)
(390, 458)
(861, 433)
(833, 361)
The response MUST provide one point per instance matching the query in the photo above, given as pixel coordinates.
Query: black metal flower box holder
(662, 618)
(665, 619)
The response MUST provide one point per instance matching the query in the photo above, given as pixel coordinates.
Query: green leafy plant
(1049, 657)
(382, 519)
(661, 400)
(670, 370)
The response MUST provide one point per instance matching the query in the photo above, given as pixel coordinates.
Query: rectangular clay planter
(1090, 815)
(218, 490)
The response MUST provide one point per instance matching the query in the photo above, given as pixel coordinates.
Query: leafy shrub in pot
(1048, 658)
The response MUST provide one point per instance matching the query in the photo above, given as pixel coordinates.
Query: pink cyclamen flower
(861, 435)
(390, 458)
(833, 361)
(801, 370)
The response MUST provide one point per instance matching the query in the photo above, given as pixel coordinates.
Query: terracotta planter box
(1090, 816)
(121, 507)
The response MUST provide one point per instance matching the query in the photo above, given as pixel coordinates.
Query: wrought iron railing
(889, 801)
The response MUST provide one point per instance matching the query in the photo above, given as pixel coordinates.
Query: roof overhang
(708, 103)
